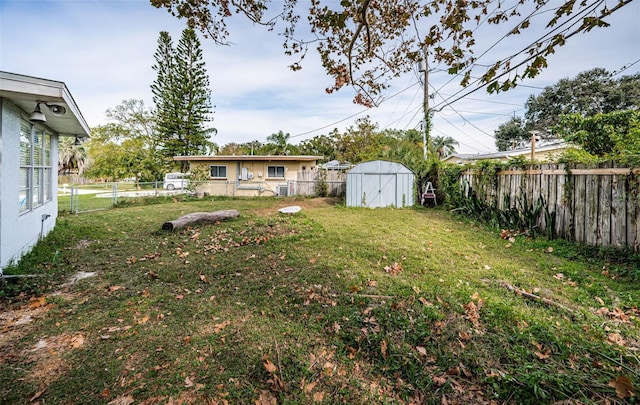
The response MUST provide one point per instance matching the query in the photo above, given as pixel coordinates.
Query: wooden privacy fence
(310, 182)
(597, 205)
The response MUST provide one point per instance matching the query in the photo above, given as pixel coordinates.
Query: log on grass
(198, 218)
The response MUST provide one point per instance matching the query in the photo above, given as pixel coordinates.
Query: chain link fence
(77, 198)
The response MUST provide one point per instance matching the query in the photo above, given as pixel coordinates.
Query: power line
(623, 68)
(352, 115)
(532, 55)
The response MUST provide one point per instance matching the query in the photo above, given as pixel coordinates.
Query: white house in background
(543, 153)
(34, 113)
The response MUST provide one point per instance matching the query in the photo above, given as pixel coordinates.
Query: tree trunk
(199, 217)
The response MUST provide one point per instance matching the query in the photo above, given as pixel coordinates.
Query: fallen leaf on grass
(616, 338)
(143, 320)
(217, 328)
(383, 348)
(624, 387)
(422, 351)
(38, 302)
(309, 387)
(181, 254)
(473, 312)
(266, 398)
(464, 335)
(77, 341)
(268, 365)
(318, 396)
(204, 279)
(440, 381)
(124, 400)
(393, 269)
(115, 288)
(328, 368)
(545, 354)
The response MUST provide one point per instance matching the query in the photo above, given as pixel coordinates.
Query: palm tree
(443, 145)
(72, 157)
(280, 142)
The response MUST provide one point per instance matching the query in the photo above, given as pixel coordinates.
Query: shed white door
(379, 190)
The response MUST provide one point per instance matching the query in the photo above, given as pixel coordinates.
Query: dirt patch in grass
(18, 320)
(47, 357)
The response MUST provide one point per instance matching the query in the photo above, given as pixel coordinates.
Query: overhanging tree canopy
(365, 43)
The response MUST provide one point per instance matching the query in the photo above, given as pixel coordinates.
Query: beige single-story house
(249, 175)
(34, 114)
(542, 154)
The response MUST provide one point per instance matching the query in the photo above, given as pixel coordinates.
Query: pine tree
(192, 88)
(163, 91)
(182, 96)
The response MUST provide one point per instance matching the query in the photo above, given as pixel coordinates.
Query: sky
(103, 51)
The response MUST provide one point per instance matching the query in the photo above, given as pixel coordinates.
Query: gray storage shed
(380, 183)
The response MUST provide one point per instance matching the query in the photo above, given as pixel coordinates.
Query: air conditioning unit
(283, 191)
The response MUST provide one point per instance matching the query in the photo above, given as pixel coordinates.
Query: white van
(175, 180)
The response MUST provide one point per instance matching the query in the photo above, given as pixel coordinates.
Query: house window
(35, 167)
(218, 172)
(275, 171)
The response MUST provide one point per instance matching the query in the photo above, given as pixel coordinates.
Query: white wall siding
(19, 233)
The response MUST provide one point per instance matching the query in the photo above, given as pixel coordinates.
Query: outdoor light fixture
(56, 109)
(37, 115)
(77, 141)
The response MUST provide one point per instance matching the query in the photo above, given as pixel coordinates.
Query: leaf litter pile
(329, 305)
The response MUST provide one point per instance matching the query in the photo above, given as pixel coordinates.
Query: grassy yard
(331, 305)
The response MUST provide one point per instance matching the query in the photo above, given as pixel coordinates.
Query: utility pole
(424, 68)
(534, 135)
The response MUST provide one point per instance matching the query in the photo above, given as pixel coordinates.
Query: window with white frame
(275, 171)
(218, 172)
(35, 167)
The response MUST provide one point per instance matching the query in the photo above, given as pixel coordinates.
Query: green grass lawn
(331, 305)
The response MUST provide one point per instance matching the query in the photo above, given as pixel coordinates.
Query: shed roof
(380, 167)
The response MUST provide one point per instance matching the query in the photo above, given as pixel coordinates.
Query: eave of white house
(26, 91)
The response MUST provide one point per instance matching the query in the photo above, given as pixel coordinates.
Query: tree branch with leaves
(365, 44)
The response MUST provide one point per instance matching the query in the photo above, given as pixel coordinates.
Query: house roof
(336, 165)
(505, 154)
(27, 91)
(252, 158)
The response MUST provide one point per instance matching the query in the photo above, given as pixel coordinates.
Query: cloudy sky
(103, 51)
